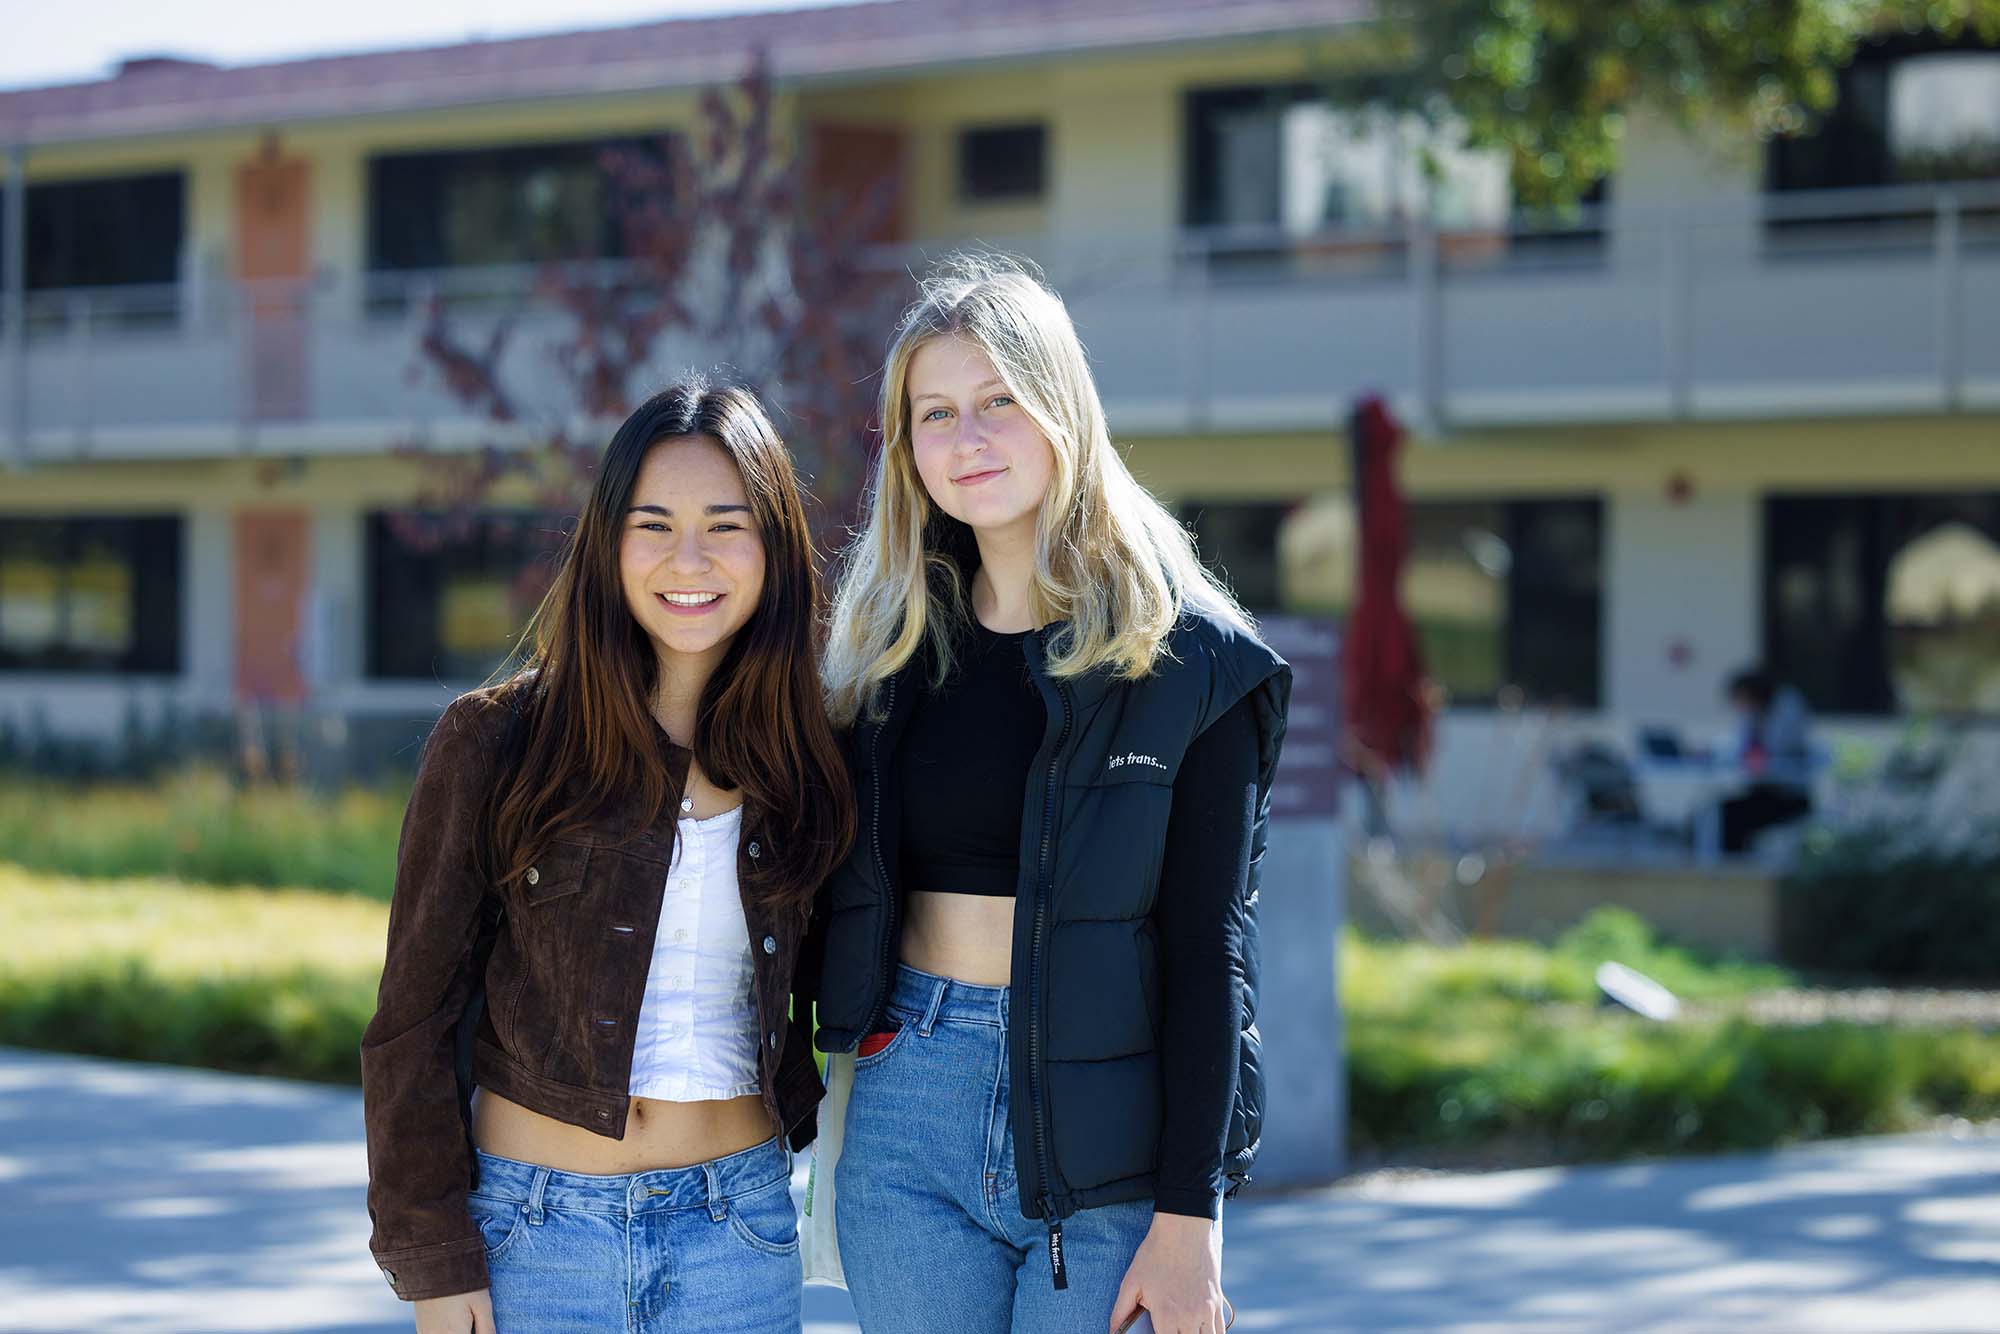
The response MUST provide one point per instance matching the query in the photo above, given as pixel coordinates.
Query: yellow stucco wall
(1879, 454)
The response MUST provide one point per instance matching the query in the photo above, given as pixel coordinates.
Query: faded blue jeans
(710, 1248)
(926, 1201)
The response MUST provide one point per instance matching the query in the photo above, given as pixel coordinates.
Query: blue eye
(1007, 399)
(933, 414)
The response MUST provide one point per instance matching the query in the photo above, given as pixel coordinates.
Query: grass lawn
(267, 981)
(1491, 1052)
(201, 827)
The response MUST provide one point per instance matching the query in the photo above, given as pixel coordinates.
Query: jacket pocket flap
(559, 870)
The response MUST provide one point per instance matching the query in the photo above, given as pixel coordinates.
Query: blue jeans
(712, 1247)
(926, 1201)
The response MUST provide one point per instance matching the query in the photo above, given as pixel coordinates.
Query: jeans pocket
(904, 1024)
(765, 1219)
(499, 1221)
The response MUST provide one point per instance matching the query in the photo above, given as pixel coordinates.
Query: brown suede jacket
(563, 986)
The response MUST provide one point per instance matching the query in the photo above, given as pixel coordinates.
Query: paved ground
(142, 1200)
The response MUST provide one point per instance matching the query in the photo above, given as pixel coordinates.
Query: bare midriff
(969, 937)
(657, 1134)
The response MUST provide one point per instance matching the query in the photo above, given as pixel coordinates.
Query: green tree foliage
(1550, 81)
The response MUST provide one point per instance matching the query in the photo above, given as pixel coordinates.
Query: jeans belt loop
(931, 1008)
(718, 1203)
(535, 1189)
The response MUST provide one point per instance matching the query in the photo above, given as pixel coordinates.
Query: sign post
(1301, 908)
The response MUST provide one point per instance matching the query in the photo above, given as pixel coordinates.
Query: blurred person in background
(605, 873)
(1042, 949)
(1774, 752)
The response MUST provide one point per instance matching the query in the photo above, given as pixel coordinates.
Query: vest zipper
(885, 983)
(1058, 1271)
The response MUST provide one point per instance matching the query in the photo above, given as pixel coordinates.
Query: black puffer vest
(1083, 1040)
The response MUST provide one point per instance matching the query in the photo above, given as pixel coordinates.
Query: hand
(461, 1313)
(1176, 1277)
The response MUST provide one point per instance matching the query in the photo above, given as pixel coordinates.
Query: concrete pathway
(144, 1199)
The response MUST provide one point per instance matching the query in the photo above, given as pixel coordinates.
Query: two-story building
(1745, 407)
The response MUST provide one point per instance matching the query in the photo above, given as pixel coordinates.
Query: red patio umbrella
(1388, 711)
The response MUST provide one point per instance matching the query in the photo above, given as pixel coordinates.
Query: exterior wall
(1680, 574)
(207, 495)
(1687, 572)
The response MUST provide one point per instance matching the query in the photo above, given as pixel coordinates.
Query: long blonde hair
(1109, 559)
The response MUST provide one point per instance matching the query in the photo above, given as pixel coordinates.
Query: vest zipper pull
(1056, 1267)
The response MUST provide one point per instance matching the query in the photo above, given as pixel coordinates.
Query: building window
(1285, 162)
(105, 233)
(1002, 163)
(1911, 110)
(447, 599)
(108, 233)
(1509, 594)
(1885, 603)
(90, 595)
(521, 204)
(1502, 593)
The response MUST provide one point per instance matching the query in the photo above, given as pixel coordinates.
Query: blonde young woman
(1042, 947)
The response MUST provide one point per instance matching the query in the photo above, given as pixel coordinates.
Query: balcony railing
(1876, 301)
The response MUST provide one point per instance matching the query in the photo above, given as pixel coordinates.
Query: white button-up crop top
(697, 1033)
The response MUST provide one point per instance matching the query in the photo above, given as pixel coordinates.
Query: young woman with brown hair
(617, 847)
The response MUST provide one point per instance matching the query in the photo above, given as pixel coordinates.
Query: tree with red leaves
(731, 261)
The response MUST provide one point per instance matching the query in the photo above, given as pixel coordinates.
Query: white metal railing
(1861, 300)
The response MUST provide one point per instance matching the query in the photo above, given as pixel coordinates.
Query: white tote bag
(819, 1248)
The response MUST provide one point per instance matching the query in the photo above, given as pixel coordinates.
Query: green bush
(201, 827)
(1499, 1043)
(301, 1023)
(1875, 902)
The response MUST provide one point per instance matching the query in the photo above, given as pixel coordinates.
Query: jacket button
(770, 944)
(534, 876)
(754, 850)
(774, 1039)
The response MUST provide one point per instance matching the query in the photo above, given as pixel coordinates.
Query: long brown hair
(583, 693)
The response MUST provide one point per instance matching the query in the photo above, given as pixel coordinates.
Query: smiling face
(691, 561)
(982, 458)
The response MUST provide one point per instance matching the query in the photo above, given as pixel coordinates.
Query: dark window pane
(103, 233)
(1455, 590)
(1239, 543)
(1282, 158)
(520, 204)
(1911, 108)
(1879, 603)
(1822, 600)
(1941, 603)
(90, 595)
(447, 600)
(1510, 594)
(1556, 596)
(1002, 162)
